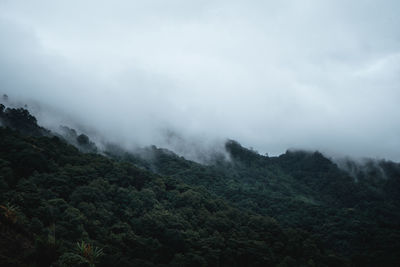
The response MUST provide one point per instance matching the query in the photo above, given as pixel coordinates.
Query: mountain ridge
(347, 221)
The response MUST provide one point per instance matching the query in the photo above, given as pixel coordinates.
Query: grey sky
(273, 75)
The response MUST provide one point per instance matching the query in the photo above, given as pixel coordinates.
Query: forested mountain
(68, 205)
(356, 215)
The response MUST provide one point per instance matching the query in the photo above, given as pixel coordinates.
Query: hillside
(124, 209)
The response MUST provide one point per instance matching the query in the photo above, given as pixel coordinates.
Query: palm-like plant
(89, 252)
(9, 211)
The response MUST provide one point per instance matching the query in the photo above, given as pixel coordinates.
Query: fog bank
(315, 75)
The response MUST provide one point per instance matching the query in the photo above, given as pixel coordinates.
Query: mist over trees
(199, 133)
(63, 206)
(273, 75)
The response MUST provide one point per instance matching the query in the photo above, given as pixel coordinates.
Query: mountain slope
(357, 215)
(55, 196)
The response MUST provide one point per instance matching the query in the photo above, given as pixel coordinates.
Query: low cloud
(294, 74)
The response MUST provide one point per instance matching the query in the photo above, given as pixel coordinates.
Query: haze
(274, 75)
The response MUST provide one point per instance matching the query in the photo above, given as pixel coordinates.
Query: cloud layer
(273, 75)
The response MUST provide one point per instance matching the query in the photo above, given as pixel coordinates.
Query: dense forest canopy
(62, 203)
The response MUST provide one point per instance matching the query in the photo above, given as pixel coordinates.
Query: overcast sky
(273, 75)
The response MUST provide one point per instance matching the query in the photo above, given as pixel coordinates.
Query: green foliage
(21, 120)
(90, 253)
(135, 216)
(357, 216)
(72, 259)
(85, 209)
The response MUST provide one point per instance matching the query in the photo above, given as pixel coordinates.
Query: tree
(89, 252)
